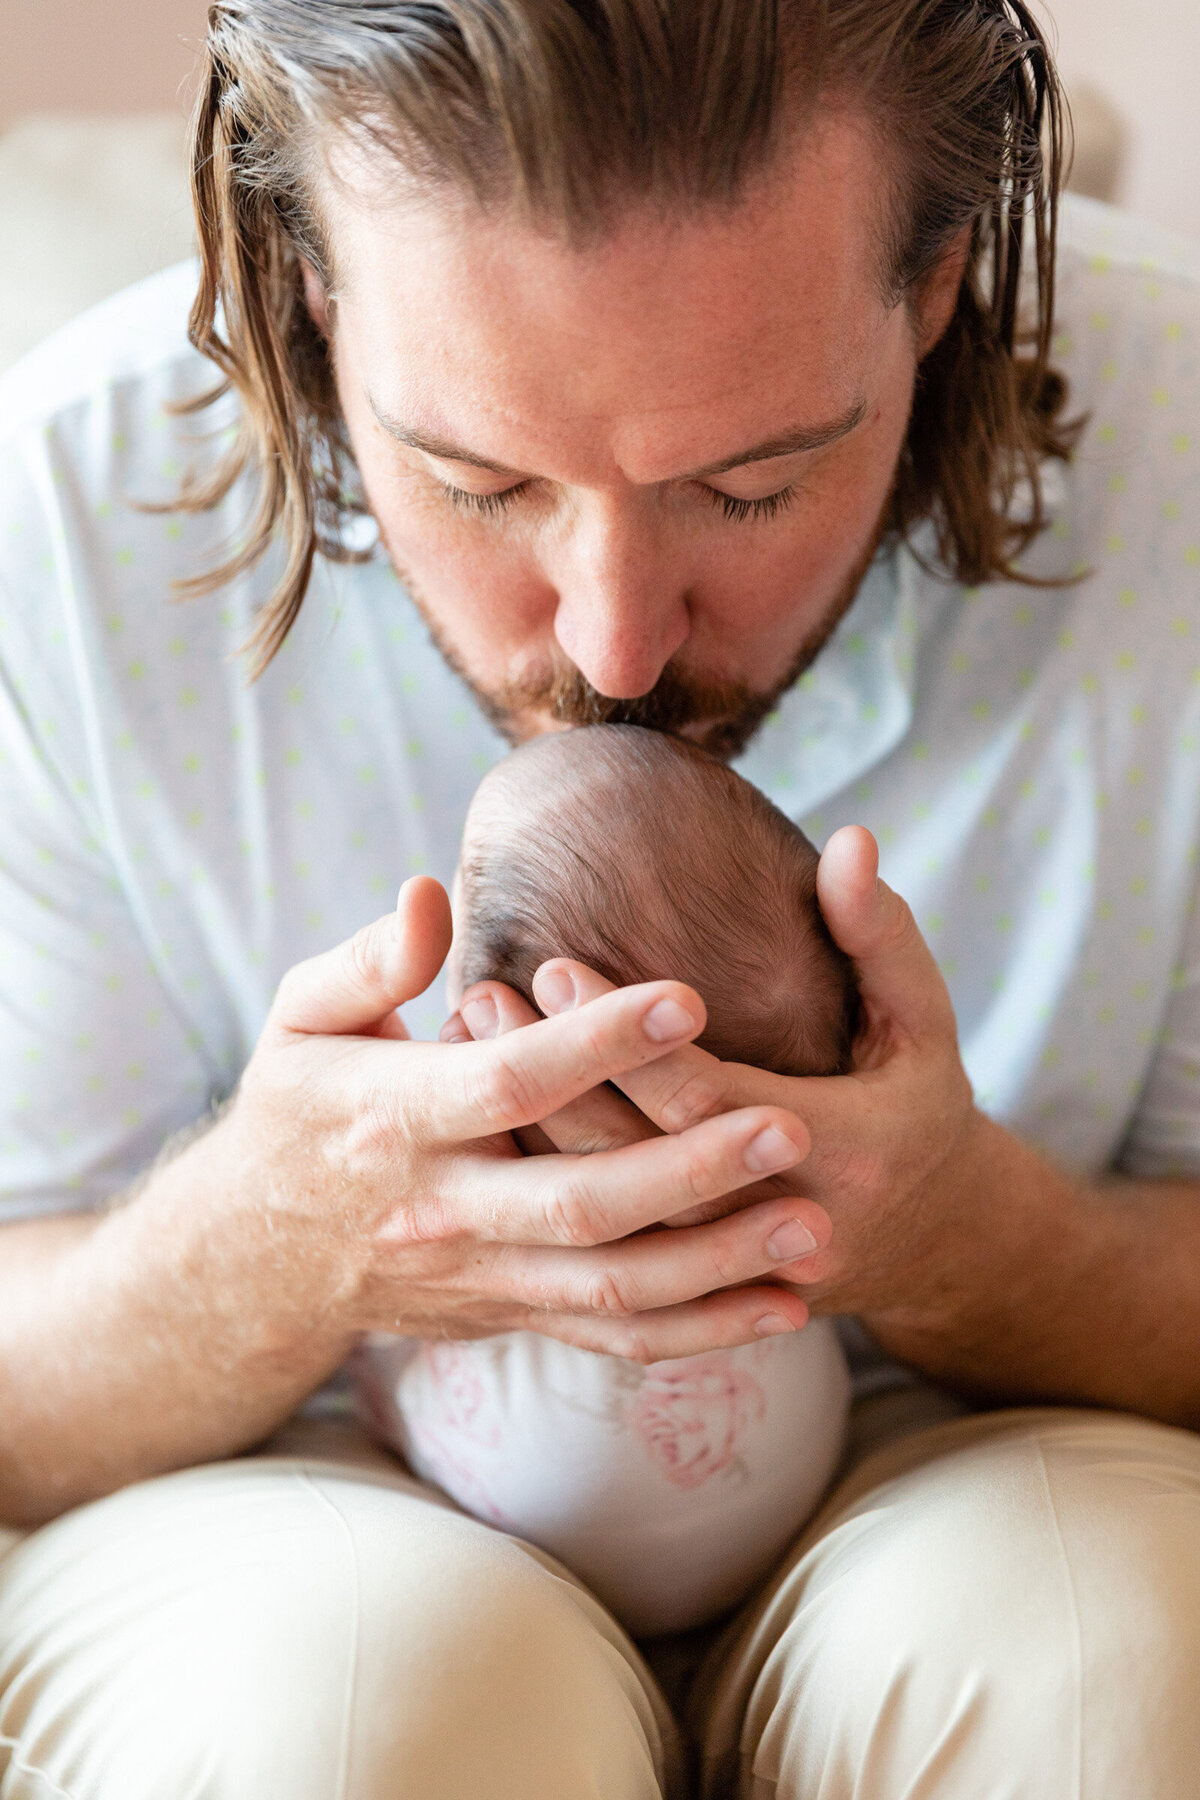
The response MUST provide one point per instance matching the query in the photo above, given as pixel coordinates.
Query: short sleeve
(97, 1068)
(1164, 1138)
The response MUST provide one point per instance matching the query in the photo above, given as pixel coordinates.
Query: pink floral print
(692, 1416)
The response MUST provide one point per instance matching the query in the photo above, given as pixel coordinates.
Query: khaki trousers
(1000, 1607)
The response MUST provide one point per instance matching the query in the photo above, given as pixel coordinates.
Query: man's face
(669, 451)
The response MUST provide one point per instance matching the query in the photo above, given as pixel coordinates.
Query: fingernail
(454, 1032)
(556, 991)
(790, 1240)
(770, 1151)
(482, 1019)
(772, 1325)
(668, 1020)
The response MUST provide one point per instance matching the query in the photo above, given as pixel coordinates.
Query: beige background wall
(118, 55)
(95, 55)
(1145, 54)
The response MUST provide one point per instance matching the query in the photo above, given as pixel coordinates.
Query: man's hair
(649, 860)
(567, 109)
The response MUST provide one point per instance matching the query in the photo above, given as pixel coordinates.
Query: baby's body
(669, 1490)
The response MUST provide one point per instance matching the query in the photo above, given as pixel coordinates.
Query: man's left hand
(897, 1145)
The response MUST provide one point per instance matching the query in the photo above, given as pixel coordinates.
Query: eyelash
(739, 511)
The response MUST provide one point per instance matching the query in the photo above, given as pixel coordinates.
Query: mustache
(720, 716)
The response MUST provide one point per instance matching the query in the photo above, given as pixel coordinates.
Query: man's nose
(622, 598)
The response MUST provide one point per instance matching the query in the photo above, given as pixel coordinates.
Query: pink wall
(96, 55)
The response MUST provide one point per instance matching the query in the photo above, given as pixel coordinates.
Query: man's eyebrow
(430, 444)
(787, 443)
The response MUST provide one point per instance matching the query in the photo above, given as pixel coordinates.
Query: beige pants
(1003, 1607)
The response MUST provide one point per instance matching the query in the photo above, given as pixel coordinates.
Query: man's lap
(1005, 1604)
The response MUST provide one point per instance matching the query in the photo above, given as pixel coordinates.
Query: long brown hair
(563, 109)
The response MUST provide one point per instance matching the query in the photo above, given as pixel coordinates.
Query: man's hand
(951, 1238)
(888, 1141)
(393, 1164)
(967, 1253)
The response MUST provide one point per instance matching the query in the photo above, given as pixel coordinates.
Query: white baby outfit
(669, 1490)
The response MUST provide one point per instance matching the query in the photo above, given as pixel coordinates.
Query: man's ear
(315, 297)
(936, 294)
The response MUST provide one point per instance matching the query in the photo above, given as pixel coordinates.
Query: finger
(582, 1201)
(599, 1120)
(718, 1322)
(477, 1090)
(358, 985)
(664, 1268)
(897, 975)
(674, 1092)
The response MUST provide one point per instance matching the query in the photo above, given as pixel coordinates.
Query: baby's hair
(646, 859)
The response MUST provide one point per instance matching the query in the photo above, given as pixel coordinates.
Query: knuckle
(725, 1267)
(574, 1215)
(506, 1093)
(695, 1100)
(363, 957)
(898, 928)
(631, 1343)
(606, 1294)
(695, 1176)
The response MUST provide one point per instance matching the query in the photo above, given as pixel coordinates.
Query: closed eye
(492, 505)
(768, 506)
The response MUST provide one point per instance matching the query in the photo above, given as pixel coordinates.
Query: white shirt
(172, 839)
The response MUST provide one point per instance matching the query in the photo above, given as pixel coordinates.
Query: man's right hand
(391, 1165)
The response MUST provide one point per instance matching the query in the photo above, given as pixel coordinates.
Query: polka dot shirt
(172, 839)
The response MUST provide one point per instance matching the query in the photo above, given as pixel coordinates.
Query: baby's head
(647, 860)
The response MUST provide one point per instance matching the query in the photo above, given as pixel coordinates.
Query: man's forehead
(437, 281)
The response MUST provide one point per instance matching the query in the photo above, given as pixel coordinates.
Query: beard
(718, 715)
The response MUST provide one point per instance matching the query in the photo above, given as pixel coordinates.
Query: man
(672, 352)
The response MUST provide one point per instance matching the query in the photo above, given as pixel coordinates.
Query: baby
(669, 1490)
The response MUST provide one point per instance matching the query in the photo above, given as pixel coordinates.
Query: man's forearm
(1058, 1290)
(155, 1336)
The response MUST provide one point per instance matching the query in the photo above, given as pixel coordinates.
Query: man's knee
(293, 1633)
(1023, 1609)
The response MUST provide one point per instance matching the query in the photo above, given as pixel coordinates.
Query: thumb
(357, 986)
(897, 975)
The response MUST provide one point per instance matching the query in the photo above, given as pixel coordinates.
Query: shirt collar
(854, 705)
